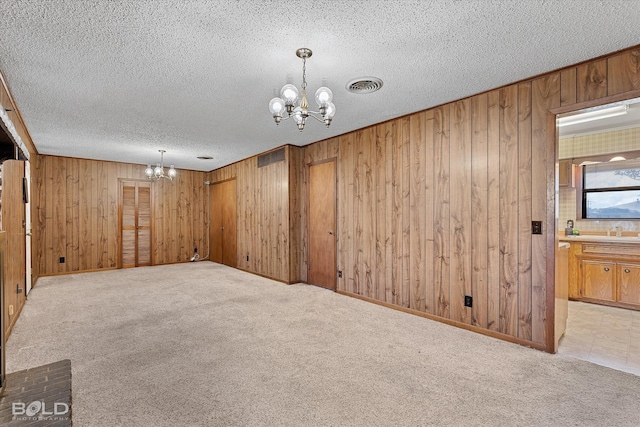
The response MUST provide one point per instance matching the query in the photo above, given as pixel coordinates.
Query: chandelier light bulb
(324, 96)
(276, 106)
(172, 172)
(289, 93)
(148, 171)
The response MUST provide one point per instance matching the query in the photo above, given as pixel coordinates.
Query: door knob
(330, 232)
(626, 270)
(606, 269)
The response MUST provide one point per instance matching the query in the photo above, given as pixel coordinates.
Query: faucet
(618, 231)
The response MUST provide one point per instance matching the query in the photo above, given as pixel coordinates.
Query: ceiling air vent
(364, 85)
(272, 157)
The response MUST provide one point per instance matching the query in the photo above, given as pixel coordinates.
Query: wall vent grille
(272, 157)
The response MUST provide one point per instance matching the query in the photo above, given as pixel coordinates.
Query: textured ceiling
(118, 80)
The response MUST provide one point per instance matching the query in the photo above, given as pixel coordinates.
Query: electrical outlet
(195, 250)
(339, 274)
(536, 227)
(61, 260)
(11, 310)
(468, 301)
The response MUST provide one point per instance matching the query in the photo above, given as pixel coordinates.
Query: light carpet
(202, 344)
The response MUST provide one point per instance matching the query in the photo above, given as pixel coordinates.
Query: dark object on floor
(38, 396)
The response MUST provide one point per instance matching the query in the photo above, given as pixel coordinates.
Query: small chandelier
(289, 98)
(157, 173)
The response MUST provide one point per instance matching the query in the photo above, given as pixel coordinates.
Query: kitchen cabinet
(607, 273)
(566, 173)
(598, 279)
(628, 283)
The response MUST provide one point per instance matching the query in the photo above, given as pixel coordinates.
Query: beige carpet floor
(202, 344)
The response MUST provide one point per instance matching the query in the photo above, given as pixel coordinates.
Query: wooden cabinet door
(598, 280)
(628, 275)
(565, 173)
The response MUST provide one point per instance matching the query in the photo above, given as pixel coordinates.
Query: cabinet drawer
(611, 249)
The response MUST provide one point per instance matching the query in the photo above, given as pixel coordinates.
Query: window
(611, 190)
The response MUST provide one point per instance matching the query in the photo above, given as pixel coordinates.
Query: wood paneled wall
(438, 205)
(13, 217)
(75, 214)
(269, 214)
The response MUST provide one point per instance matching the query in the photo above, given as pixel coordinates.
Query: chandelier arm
(315, 114)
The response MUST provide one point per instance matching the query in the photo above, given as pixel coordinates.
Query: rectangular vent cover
(272, 157)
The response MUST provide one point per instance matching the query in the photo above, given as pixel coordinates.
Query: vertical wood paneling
(358, 214)
(13, 217)
(295, 213)
(380, 192)
(429, 194)
(493, 210)
(545, 93)
(441, 218)
(389, 203)
(417, 212)
(623, 72)
(568, 94)
(524, 211)
(592, 80)
(406, 204)
(460, 209)
(60, 214)
(479, 217)
(397, 252)
(77, 214)
(509, 210)
(345, 213)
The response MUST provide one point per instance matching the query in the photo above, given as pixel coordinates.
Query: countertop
(600, 239)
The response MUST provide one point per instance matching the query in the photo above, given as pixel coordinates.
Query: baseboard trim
(286, 282)
(450, 322)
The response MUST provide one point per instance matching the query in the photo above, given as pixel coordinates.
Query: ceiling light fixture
(289, 97)
(157, 173)
(589, 116)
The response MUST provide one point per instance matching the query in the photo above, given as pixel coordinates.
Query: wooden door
(322, 225)
(223, 220)
(135, 224)
(598, 280)
(629, 283)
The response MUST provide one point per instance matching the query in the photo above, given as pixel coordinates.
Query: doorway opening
(598, 208)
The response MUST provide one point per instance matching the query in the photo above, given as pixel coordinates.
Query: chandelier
(289, 98)
(157, 173)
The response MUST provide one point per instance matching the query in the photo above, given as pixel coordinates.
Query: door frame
(121, 181)
(307, 172)
(552, 140)
(210, 200)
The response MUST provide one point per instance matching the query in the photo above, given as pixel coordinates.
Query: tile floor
(607, 336)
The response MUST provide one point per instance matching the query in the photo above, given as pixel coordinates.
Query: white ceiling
(118, 80)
